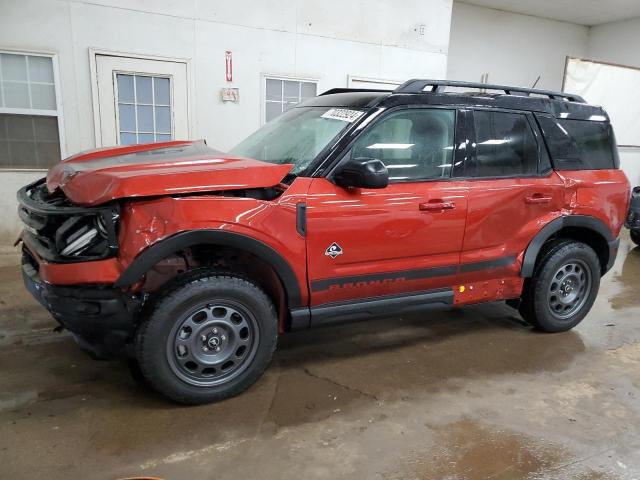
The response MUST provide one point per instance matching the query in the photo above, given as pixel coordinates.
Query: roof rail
(347, 90)
(437, 86)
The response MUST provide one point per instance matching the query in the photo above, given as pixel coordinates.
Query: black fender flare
(162, 249)
(554, 226)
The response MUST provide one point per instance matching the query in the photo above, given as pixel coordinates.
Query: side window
(505, 146)
(579, 144)
(414, 144)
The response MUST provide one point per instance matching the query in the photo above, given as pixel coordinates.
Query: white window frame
(58, 112)
(263, 94)
(135, 105)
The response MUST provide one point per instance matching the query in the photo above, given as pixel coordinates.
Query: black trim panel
(156, 252)
(300, 318)
(614, 246)
(554, 226)
(487, 264)
(379, 306)
(301, 218)
(419, 274)
(325, 284)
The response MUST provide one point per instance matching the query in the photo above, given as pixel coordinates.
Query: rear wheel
(635, 236)
(207, 339)
(563, 287)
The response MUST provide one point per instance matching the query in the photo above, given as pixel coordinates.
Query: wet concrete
(456, 394)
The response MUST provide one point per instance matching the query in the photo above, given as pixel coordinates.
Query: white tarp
(616, 88)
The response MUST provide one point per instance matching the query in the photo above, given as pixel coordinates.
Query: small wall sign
(230, 94)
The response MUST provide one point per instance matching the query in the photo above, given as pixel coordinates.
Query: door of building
(140, 100)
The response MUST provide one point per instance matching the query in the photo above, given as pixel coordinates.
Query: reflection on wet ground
(628, 281)
(461, 394)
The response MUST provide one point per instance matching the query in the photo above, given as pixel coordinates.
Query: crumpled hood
(98, 176)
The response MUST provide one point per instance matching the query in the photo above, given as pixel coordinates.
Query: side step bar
(369, 308)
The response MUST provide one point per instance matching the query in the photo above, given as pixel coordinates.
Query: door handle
(537, 198)
(436, 206)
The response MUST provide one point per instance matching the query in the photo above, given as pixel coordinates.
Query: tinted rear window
(579, 144)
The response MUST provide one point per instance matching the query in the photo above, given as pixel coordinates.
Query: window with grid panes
(281, 95)
(29, 113)
(144, 108)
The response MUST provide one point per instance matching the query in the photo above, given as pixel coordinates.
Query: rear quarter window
(579, 144)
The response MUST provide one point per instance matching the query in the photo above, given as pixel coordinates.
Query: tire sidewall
(544, 276)
(152, 338)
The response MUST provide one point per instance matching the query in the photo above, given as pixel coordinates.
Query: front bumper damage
(100, 317)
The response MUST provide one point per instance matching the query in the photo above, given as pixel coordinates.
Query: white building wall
(619, 42)
(616, 42)
(303, 38)
(325, 40)
(513, 49)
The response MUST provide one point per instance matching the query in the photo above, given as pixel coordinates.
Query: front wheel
(563, 288)
(207, 339)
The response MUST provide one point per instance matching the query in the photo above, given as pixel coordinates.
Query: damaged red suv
(190, 262)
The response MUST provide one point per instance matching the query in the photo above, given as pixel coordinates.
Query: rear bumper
(100, 317)
(633, 216)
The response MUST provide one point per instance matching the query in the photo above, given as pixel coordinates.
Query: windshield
(297, 136)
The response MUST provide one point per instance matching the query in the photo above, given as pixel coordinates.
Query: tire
(136, 373)
(635, 236)
(563, 288)
(207, 338)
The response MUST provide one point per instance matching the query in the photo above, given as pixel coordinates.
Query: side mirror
(362, 172)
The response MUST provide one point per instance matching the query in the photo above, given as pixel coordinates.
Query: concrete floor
(455, 394)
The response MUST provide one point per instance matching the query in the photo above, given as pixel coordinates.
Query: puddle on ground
(469, 450)
(629, 281)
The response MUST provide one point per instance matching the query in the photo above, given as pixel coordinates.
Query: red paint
(99, 272)
(159, 169)
(401, 228)
(383, 231)
(488, 290)
(501, 221)
(148, 221)
(228, 66)
(603, 194)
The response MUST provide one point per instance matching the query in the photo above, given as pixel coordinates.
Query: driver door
(402, 239)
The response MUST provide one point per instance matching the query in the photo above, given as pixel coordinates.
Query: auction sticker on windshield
(343, 114)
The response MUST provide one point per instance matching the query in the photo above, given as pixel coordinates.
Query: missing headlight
(83, 236)
(59, 231)
(79, 241)
(102, 227)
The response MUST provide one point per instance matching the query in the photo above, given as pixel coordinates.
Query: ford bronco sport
(357, 203)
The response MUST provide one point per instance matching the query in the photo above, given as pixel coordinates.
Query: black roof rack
(437, 86)
(352, 90)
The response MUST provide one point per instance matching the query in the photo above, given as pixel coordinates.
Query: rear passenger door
(512, 191)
